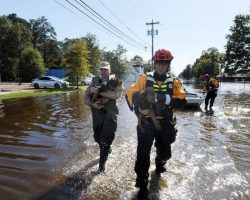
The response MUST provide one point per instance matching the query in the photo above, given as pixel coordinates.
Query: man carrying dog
(169, 95)
(104, 115)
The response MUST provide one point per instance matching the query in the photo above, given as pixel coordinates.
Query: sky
(186, 27)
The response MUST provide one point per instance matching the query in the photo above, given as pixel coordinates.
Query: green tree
(94, 53)
(187, 73)
(54, 53)
(210, 62)
(76, 61)
(118, 61)
(14, 37)
(43, 32)
(30, 65)
(138, 60)
(67, 44)
(15, 19)
(237, 56)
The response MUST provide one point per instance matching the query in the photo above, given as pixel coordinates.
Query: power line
(152, 9)
(98, 16)
(122, 22)
(138, 12)
(102, 25)
(66, 8)
(100, 28)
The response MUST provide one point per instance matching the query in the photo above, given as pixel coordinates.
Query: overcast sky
(187, 27)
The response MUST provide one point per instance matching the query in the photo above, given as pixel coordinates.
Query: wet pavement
(47, 151)
(9, 87)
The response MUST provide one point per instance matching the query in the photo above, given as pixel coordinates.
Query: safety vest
(165, 88)
(212, 84)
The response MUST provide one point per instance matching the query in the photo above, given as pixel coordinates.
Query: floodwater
(47, 151)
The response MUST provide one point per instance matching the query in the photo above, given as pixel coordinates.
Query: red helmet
(162, 55)
(205, 76)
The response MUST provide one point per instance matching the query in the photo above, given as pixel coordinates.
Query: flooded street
(47, 151)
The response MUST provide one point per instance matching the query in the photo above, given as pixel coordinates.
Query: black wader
(210, 96)
(163, 138)
(104, 126)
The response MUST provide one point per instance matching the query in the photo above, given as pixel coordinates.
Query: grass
(39, 92)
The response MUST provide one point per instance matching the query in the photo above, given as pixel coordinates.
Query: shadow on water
(154, 186)
(73, 186)
(38, 137)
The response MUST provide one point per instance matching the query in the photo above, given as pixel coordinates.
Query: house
(233, 78)
(136, 71)
(58, 72)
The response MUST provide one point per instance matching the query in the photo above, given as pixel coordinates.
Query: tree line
(29, 48)
(235, 60)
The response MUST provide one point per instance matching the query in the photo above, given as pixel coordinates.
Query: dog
(110, 85)
(144, 100)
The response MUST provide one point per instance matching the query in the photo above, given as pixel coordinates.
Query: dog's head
(114, 82)
(149, 95)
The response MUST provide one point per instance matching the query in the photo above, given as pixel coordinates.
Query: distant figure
(169, 94)
(211, 87)
(101, 96)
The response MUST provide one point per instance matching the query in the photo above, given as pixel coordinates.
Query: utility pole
(152, 33)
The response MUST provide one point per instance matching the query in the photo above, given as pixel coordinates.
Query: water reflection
(47, 151)
(36, 136)
(2, 114)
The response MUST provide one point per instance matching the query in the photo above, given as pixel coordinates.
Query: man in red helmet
(169, 95)
(211, 87)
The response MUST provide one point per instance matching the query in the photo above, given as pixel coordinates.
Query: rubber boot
(159, 166)
(205, 109)
(104, 151)
(142, 184)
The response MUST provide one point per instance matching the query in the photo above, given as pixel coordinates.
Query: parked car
(87, 80)
(49, 82)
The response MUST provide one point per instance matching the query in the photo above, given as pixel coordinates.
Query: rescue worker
(211, 87)
(104, 116)
(169, 95)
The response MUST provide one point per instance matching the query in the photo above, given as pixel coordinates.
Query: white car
(87, 79)
(49, 82)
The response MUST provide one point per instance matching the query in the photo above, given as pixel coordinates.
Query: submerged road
(47, 151)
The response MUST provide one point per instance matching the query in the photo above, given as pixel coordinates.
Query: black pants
(104, 126)
(210, 97)
(163, 140)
